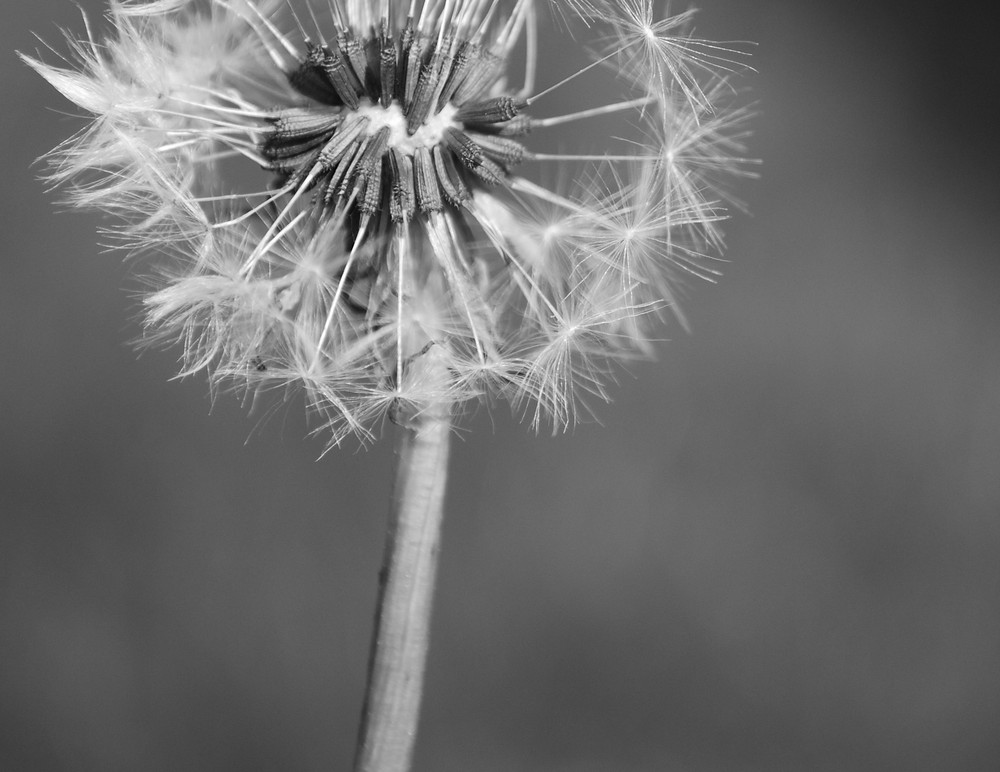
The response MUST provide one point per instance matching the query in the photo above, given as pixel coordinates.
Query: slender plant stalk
(406, 585)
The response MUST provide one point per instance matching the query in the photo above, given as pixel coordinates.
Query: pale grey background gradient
(781, 552)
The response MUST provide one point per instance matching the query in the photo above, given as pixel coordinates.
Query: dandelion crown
(395, 253)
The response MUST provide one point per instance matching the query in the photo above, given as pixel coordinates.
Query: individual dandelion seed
(343, 197)
(146, 84)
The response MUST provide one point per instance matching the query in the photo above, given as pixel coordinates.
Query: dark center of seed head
(397, 123)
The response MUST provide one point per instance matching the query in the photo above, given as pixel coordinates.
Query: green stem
(406, 584)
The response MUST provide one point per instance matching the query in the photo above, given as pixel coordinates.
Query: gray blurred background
(781, 551)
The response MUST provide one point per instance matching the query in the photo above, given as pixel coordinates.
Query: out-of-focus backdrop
(781, 551)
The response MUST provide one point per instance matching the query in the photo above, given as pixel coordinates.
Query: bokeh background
(780, 551)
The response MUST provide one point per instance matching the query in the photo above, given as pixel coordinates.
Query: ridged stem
(406, 584)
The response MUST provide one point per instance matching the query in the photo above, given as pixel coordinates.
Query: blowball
(344, 197)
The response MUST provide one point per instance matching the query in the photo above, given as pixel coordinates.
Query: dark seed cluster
(399, 124)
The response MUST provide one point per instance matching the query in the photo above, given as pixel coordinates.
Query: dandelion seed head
(342, 194)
